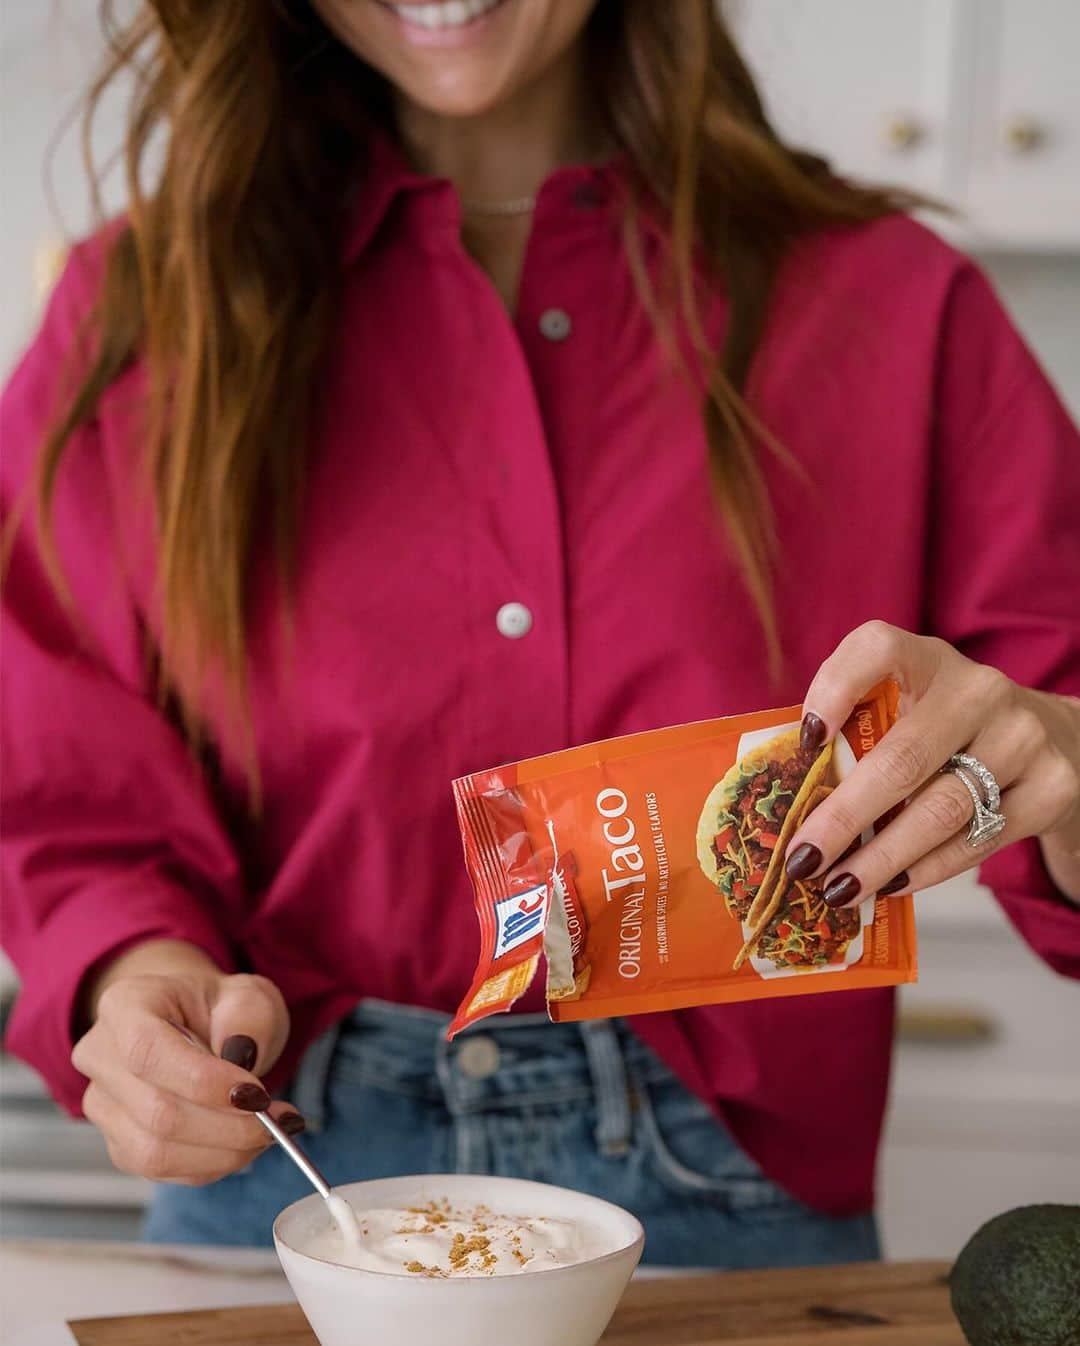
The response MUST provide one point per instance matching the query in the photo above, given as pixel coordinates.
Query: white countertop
(44, 1282)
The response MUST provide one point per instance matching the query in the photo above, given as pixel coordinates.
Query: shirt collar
(384, 175)
(387, 175)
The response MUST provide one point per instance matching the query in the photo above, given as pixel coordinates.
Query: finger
(159, 1053)
(934, 815)
(171, 1117)
(135, 1150)
(865, 657)
(912, 751)
(957, 856)
(1031, 807)
(249, 1017)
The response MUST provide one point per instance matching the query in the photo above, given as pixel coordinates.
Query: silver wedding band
(987, 820)
(983, 775)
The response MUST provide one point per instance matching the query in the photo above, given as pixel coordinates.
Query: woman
(482, 377)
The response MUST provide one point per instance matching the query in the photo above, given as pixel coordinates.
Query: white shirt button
(513, 620)
(555, 324)
(479, 1058)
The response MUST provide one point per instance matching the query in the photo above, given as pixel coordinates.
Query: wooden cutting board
(896, 1304)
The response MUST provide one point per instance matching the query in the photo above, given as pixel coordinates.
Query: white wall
(49, 52)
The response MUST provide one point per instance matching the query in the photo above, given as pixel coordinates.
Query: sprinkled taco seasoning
(649, 871)
(440, 1241)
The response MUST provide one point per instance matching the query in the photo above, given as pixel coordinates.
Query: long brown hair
(219, 282)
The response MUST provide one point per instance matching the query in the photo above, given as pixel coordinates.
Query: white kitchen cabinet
(866, 81)
(976, 102)
(1024, 157)
(985, 1107)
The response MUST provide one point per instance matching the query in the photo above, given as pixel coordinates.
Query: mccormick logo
(519, 918)
(565, 872)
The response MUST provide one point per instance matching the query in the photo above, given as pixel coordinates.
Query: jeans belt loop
(444, 1073)
(309, 1087)
(611, 1087)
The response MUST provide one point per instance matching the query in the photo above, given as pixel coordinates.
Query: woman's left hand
(948, 704)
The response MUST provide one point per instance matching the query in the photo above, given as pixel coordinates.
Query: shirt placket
(519, 647)
(559, 323)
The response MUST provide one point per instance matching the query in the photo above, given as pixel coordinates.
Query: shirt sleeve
(1004, 552)
(110, 836)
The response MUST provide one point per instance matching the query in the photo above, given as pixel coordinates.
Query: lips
(446, 16)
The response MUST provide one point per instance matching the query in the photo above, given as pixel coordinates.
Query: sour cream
(442, 1241)
(346, 1222)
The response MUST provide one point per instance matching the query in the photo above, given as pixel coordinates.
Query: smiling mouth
(445, 16)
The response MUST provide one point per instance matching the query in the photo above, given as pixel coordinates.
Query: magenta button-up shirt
(461, 461)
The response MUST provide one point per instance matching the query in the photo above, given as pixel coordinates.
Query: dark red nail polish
(803, 861)
(240, 1050)
(812, 732)
(249, 1097)
(291, 1123)
(842, 889)
(896, 885)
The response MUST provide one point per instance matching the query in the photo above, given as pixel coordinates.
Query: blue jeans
(580, 1105)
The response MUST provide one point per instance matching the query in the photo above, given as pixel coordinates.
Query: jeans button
(479, 1058)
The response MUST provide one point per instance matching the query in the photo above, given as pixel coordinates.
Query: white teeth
(453, 14)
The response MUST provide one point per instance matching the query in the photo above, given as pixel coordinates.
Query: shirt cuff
(1043, 915)
(88, 927)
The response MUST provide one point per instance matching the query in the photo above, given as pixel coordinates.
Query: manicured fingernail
(812, 733)
(803, 861)
(896, 885)
(842, 889)
(249, 1097)
(291, 1123)
(240, 1050)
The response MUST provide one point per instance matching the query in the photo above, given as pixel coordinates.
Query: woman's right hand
(172, 1109)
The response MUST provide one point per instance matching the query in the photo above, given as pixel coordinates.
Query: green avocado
(1017, 1280)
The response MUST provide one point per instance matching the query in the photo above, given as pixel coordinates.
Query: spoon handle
(296, 1154)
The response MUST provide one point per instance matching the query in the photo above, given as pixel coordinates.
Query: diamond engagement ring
(987, 820)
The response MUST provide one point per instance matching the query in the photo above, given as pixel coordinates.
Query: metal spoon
(341, 1212)
(296, 1154)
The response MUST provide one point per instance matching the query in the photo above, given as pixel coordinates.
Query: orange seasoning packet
(649, 871)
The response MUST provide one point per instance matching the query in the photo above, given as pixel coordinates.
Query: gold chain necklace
(518, 205)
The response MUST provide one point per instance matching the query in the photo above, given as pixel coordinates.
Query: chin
(458, 98)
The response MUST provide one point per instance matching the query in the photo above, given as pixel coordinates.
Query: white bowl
(559, 1306)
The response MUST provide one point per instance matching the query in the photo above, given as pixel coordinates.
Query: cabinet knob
(946, 1024)
(1024, 135)
(904, 132)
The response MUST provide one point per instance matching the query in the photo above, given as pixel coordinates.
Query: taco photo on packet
(743, 833)
(790, 927)
(647, 871)
(749, 817)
